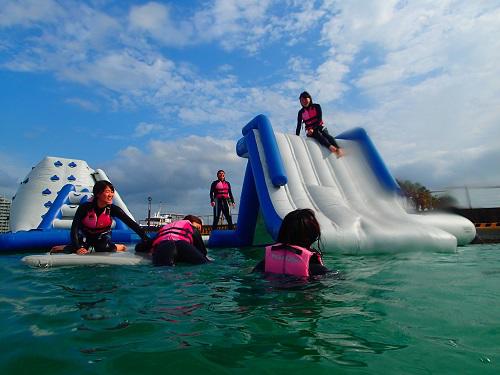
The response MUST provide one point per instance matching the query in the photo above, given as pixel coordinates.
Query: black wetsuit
(221, 204)
(320, 133)
(81, 236)
(168, 252)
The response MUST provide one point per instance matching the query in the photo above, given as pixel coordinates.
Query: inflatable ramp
(356, 200)
(43, 208)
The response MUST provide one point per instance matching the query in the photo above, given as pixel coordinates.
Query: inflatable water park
(357, 202)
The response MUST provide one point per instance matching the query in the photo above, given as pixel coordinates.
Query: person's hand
(212, 204)
(82, 251)
(233, 204)
(309, 132)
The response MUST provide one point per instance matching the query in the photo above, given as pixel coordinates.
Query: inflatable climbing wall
(34, 205)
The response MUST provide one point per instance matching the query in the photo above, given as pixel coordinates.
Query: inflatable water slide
(357, 202)
(43, 208)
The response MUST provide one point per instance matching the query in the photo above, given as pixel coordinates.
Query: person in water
(179, 241)
(92, 223)
(220, 198)
(293, 254)
(311, 115)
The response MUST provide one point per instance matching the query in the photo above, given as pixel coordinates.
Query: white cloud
(177, 173)
(155, 19)
(432, 94)
(144, 129)
(83, 103)
(26, 12)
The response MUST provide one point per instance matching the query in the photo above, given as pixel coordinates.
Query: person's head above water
(300, 228)
(221, 174)
(305, 99)
(195, 220)
(103, 192)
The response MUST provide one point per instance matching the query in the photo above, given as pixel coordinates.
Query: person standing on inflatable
(179, 241)
(220, 198)
(311, 115)
(293, 254)
(92, 223)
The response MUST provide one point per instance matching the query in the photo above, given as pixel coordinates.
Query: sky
(156, 93)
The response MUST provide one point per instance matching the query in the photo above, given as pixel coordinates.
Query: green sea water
(419, 313)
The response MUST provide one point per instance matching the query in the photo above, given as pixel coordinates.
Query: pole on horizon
(467, 195)
(149, 211)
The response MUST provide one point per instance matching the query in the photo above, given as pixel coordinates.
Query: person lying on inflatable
(179, 241)
(293, 255)
(91, 227)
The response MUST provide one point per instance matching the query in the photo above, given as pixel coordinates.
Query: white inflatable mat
(55, 260)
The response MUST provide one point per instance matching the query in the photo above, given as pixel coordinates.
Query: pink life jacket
(288, 260)
(97, 224)
(310, 117)
(181, 230)
(222, 190)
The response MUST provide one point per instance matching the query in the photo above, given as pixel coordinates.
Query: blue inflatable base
(40, 240)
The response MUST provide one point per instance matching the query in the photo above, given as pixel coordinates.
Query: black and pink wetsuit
(221, 195)
(312, 117)
(91, 227)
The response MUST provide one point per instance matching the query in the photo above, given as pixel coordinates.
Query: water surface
(421, 313)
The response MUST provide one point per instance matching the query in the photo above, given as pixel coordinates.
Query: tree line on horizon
(422, 199)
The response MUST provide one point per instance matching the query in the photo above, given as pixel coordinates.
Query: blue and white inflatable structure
(43, 208)
(356, 200)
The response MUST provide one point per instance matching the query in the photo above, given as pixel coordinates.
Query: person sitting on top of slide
(179, 241)
(91, 225)
(293, 255)
(312, 116)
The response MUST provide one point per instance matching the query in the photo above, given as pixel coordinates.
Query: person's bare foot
(57, 249)
(121, 247)
(337, 151)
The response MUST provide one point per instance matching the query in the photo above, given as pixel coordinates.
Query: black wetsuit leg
(324, 138)
(187, 253)
(225, 211)
(164, 254)
(102, 243)
(217, 211)
(83, 241)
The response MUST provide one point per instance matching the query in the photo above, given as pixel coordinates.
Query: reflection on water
(381, 314)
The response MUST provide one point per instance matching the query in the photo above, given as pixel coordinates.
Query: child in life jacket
(293, 255)
(179, 241)
(311, 115)
(91, 227)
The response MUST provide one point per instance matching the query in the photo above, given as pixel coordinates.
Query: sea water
(419, 313)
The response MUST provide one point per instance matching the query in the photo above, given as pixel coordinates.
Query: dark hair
(100, 186)
(221, 170)
(193, 219)
(300, 228)
(305, 94)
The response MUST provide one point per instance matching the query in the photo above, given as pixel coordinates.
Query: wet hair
(193, 219)
(305, 94)
(100, 186)
(300, 228)
(221, 170)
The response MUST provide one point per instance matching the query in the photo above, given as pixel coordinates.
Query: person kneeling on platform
(91, 227)
(179, 241)
(293, 254)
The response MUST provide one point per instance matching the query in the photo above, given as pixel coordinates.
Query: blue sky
(156, 93)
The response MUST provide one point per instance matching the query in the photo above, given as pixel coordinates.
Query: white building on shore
(4, 214)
